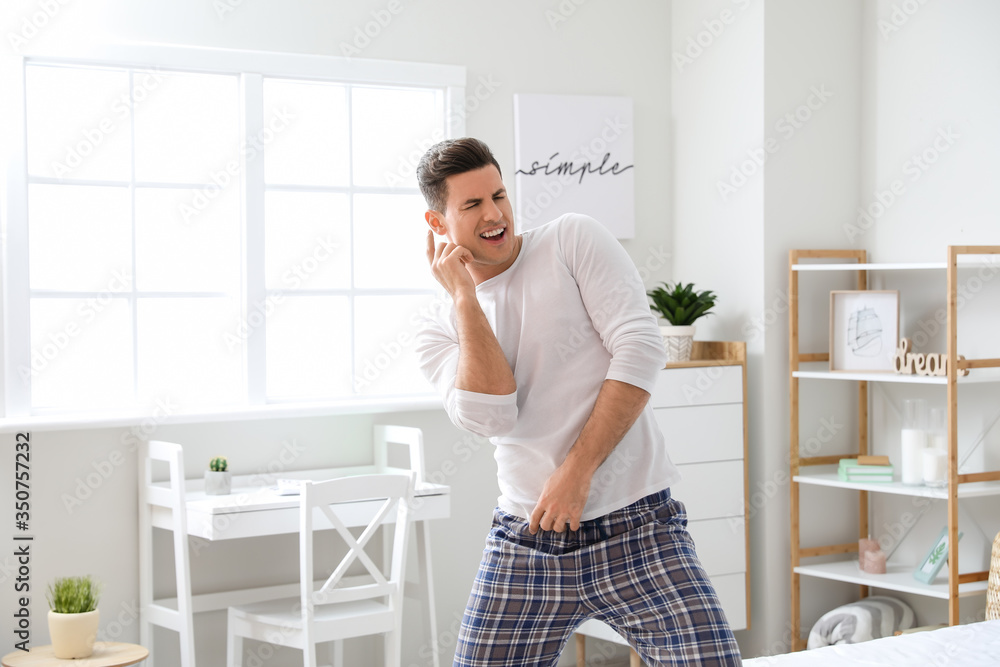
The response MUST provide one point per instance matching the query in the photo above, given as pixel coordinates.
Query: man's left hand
(561, 503)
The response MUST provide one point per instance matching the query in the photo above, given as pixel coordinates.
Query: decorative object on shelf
(871, 558)
(850, 470)
(873, 617)
(993, 585)
(73, 616)
(553, 176)
(681, 306)
(935, 558)
(913, 441)
(864, 326)
(935, 456)
(218, 481)
(905, 362)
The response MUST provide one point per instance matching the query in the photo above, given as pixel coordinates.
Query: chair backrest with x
(390, 497)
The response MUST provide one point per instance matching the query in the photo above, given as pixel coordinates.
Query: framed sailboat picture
(864, 329)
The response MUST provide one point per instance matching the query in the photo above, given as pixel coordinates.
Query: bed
(970, 645)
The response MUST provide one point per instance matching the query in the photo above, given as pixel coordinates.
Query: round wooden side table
(106, 654)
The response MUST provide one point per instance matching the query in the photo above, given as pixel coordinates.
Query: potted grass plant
(679, 305)
(218, 481)
(73, 616)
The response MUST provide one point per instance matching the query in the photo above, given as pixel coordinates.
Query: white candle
(914, 442)
(935, 467)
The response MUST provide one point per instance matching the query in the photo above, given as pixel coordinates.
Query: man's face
(478, 217)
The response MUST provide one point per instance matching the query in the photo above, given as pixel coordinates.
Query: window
(220, 229)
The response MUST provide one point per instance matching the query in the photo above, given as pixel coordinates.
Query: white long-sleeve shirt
(569, 313)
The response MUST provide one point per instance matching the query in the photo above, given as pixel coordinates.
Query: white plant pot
(218, 483)
(677, 341)
(73, 635)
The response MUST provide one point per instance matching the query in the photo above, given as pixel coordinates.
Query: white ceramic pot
(677, 341)
(73, 635)
(218, 483)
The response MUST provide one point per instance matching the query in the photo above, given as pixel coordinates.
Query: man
(548, 347)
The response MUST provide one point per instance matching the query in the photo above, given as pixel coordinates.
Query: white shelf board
(897, 578)
(970, 490)
(964, 262)
(911, 266)
(977, 375)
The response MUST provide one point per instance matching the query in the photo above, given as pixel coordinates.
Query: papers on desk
(289, 487)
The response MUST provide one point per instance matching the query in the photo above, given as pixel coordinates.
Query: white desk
(255, 509)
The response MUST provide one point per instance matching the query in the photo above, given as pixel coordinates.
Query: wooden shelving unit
(810, 470)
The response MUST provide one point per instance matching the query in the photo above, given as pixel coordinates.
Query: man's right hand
(448, 264)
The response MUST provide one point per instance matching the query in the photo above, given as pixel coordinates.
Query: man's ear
(436, 222)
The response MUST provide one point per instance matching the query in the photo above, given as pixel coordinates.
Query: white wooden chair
(172, 498)
(341, 607)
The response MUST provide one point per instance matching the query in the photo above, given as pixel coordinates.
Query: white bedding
(971, 645)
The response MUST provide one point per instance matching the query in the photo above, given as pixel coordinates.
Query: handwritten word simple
(572, 169)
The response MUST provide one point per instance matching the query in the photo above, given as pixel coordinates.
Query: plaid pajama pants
(635, 569)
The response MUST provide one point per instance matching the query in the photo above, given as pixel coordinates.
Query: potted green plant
(73, 616)
(680, 306)
(218, 481)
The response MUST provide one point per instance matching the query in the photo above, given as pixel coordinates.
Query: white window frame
(250, 67)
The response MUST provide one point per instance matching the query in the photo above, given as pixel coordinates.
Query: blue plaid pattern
(635, 569)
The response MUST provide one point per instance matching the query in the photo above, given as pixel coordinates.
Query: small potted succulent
(218, 481)
(680, 305)
(73, 616)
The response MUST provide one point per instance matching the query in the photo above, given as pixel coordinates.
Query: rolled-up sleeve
(488, 415)
(616, 300)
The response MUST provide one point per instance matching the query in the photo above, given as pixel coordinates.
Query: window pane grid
(371, 184)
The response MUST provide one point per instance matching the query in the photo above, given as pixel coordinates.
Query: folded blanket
(870, 618)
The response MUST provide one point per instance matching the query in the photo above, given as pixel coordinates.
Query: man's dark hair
(447, 158)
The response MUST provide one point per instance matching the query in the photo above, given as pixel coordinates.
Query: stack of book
(865, 469)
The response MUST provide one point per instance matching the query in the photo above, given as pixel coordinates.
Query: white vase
(677, 341)
(73, 635)
(217, 483)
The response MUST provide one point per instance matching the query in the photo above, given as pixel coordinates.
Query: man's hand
(561, 503)
(448, 264)
(565, 493)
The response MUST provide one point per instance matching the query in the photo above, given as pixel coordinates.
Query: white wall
(522, 46)
(933, 75)
(696, 121)
(717, 116)
(866, 100)
(812, 107)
